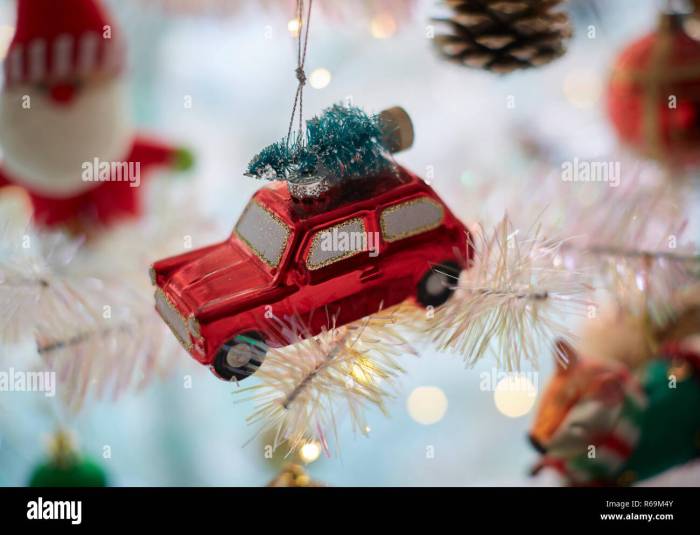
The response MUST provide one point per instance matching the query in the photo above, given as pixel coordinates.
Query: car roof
(276, 197)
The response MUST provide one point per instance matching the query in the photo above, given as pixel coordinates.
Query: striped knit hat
(57, 41)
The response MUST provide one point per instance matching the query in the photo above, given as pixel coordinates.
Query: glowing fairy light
(320, 78)
(383, 26)
(364, 372)
(309, 452)
(293, 27)
(582, 88)
(515, 395)
(427, 405)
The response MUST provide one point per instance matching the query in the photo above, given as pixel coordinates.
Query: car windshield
(264, 233)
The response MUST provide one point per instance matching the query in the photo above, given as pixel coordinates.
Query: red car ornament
(313, 254)
(346, 263)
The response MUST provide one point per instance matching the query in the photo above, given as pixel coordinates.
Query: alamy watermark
(70, 510)
(22, 381)
(527, 382)
(345, 241)
(102, 171)
(591, 171)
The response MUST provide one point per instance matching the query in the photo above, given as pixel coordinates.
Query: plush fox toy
(600, 424)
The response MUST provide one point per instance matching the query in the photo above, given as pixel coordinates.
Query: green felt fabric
(670, 427)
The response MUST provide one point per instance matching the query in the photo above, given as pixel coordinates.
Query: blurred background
(221, 81)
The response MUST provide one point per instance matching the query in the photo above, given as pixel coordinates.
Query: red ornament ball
(654, 95)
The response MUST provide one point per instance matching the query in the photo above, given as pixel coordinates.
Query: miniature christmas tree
(342, 143)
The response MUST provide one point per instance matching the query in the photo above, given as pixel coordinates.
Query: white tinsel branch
(99, 335)
(28, 266)
(305, 387)
(119, 346)
(514, 301)
(638, 251)
(88, 306)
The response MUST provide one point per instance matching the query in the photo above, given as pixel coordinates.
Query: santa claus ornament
(654, 94)
(64, 122)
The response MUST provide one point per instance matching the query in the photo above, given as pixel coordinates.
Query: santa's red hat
(59, 40)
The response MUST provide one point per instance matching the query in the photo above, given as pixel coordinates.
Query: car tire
(240, 357)
(438, 284)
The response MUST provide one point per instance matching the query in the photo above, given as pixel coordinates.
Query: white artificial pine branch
(513, 302)
(304, 388)
(89, 305)
(639, 252)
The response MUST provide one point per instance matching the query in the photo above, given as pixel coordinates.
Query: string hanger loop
(302, 47)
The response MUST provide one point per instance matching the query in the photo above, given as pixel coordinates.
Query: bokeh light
(515, 395)
(582, 88)
(309, 452)
(293, 27)
(364, 372)
(427, 404)
(320, 78)
(383, 26)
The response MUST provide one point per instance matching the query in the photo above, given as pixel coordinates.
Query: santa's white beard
(46, 146)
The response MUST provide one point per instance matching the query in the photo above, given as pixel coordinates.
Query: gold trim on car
(169, 312)
(414, 231)
(347, 254)
(258, 253)
(193, 326)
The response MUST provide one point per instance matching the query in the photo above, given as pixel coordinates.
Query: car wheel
(240, 357)
(438, 284)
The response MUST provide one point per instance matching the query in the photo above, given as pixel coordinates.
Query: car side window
(337, 243)
(264, 233)
(410, 218)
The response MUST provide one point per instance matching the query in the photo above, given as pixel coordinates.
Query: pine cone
(504, 35)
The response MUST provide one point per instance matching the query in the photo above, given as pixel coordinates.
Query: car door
(411, 240)
(341, 272)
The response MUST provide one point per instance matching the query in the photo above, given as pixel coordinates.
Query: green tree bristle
(341, 143)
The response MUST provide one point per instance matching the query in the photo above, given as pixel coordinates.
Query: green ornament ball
(77, 473)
